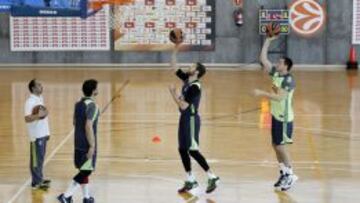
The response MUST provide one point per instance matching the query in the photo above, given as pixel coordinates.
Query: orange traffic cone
(156, 139)
(352, 63)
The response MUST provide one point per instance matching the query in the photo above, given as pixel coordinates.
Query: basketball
(36, 110)
(176, 36)
(272, 29)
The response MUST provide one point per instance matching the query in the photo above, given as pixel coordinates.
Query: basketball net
(114, 18)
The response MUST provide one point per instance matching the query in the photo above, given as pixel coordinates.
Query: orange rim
(98, 4)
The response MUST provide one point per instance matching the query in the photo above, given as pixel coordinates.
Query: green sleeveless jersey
(282, 110)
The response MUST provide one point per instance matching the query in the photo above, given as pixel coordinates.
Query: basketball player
(85, 123)
(38, 130)
(189, 125)
(281, 98)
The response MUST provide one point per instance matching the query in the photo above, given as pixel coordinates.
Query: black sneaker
(62, 199)
(188, 186)
(89, 200)
(46, 181)
(212, 184)
(40, 186)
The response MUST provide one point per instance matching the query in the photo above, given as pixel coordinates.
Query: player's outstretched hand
(258, 92)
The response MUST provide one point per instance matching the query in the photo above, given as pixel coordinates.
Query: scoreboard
(61, 33)
(280, 16)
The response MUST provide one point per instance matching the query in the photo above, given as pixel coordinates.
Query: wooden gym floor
(234, 137)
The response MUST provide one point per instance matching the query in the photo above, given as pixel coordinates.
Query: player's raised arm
(264, 54)
(173, 62)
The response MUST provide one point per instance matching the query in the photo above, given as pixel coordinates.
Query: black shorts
(82, 162)
(188, 133)
(281, 132)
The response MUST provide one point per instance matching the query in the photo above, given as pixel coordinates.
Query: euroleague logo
(307, 17)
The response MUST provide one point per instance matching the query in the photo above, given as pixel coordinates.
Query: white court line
(219, 114)
(224, 114)
(165, 114)
(51, 155)
(173, 180)
(226, 161)
(308, 129)
(205, 122)
(195, 192)
(161, 66)
(270, 164)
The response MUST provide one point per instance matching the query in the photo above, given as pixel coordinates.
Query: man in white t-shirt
(38, 130)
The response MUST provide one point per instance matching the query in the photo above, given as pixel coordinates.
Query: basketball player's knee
(85, 180)
(279, 148)
(86, 173)
(82, 177)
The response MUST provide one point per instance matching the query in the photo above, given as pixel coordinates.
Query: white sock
(190, 177)
(85, 190)
(71, 189)
(283, 168)
(210, 174)
(289, 170)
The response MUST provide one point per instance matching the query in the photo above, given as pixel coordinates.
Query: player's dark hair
(89, 86)
(201, 69)
(31, 85)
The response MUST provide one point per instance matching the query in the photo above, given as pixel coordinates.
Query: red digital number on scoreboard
(149, 2)
(191, 25)
(191, 2)
(170, 25)
(129, 24)
(149, 24)
(170, 2)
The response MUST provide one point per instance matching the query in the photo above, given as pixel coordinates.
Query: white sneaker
(289, 181)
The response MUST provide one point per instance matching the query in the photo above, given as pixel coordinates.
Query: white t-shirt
(39, 128)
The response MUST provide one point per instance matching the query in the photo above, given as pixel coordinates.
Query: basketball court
(138, 160)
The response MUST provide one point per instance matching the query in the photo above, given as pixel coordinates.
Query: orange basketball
(36, 110)
(272, 29)
(176, 36)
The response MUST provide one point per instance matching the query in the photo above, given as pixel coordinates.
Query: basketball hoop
(97, 5)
